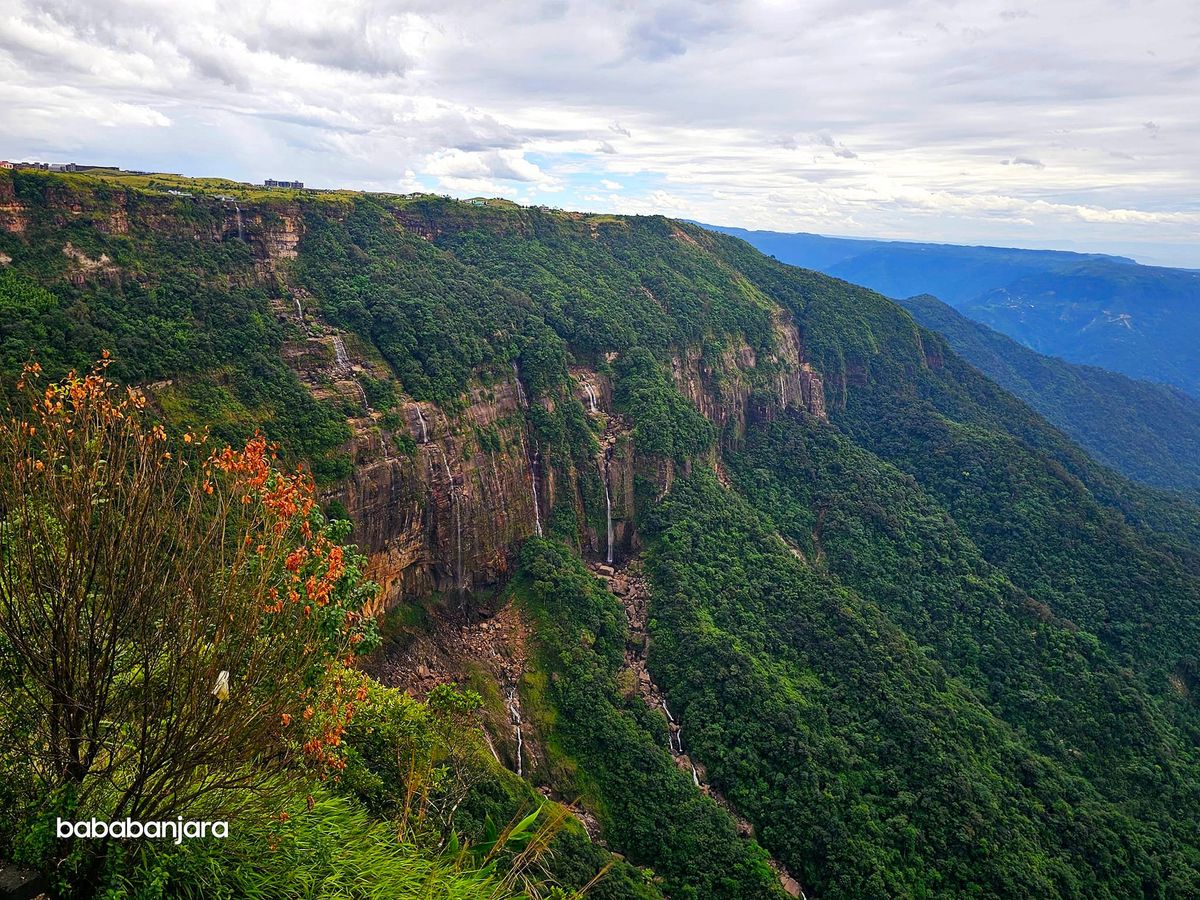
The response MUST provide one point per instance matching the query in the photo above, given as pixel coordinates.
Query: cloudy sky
(1061, 123)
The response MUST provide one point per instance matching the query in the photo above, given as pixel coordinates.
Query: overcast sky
(1062, 123)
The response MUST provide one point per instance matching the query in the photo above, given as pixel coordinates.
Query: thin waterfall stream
(421, 422)
(514, 712)
(532, 460)
(342, 359)
(607, 507)
(533, 480)
(456, 500)
(520, 390)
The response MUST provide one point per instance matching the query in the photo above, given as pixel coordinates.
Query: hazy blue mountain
(1107, 311)
(1148, 431)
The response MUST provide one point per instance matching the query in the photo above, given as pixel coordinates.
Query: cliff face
(723, 392)
(440, 501)
(12, 212)
(449, 514)
(446, 515)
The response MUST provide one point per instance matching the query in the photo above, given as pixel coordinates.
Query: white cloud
(879, 117)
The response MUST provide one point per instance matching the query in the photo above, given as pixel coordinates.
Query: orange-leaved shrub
(175, 621)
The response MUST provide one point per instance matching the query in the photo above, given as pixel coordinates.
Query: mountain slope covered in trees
(1148, 431)
(900, 637)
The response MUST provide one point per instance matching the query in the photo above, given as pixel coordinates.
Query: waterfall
(342, 359)
(520, 390)
(591, 395)
(537, 504)
(514, 711)
(238, 211)
(695, 777)
(670, 718)
(457, 501)
(299, 309)
(607, 508)
(339, 352)
(537, 513)
(502, 517)
(421, 422)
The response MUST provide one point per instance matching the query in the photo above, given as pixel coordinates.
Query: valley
(753, 576)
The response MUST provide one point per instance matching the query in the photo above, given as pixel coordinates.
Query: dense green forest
(1150, 432)
(919, 639)
(613, 744)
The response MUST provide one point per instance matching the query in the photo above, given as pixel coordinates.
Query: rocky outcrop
(13, 215)
(740, 388)
(439, 503)
(82, 267)
(495, 644)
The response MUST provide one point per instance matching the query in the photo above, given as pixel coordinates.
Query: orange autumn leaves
(314, 566)
(290, 587)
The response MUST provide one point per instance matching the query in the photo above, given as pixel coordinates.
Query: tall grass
(331, 850)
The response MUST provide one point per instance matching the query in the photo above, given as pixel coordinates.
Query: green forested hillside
(1150, 432)
(922, 642)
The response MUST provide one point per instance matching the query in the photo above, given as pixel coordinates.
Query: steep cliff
(441, 498)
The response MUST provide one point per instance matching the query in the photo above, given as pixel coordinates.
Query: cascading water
(591, 395)
(520, 390)
(514, 712)
(421, 422)
(497, 492)
(340, 354)
(533, 481)
(238, 212)
(342, 359)
(537, 503)
(607, 507)
(457, 502)
(299, 310)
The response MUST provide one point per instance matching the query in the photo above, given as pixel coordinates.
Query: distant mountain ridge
(1148, 431)
(1095, 309)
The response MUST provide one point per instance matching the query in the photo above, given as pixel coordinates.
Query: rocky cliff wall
(442, 502)
(447, 510)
